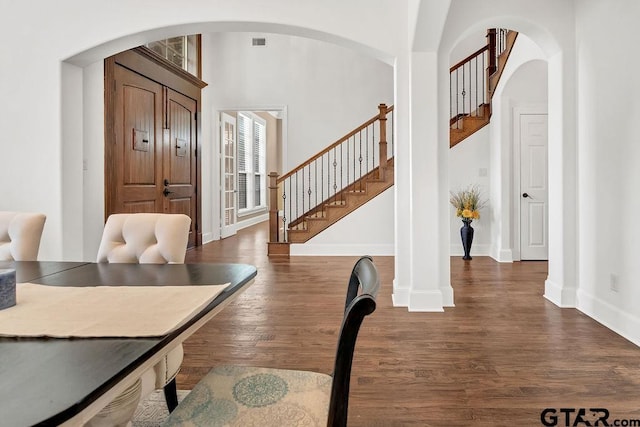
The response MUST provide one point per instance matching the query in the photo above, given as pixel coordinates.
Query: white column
(402, 181)
(92, 159)
(71, 161)
(560, 286)
(428, 221)
(441, 117)
(501, 189)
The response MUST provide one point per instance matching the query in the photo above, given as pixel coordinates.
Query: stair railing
(308, 189)
(473, 80)
(468, 87)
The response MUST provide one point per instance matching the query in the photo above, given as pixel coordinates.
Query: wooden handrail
(468, 58)
(332, 146)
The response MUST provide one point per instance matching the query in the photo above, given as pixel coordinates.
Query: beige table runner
(103, 311)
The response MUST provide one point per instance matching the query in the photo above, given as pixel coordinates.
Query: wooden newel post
(493, 58)
(273, 207)
(383, 139)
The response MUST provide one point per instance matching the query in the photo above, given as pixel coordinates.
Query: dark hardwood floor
(500, 357)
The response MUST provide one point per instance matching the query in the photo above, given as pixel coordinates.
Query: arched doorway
(560, 285)
(217, 99)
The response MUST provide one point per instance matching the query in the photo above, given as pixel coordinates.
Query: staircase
(331, 184)
(472, 84)
(359, 166)
(345, 202)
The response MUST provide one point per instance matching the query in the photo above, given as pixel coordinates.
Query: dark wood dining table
(53, 381)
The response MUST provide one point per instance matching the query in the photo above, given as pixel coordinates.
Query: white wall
(609, 152)
(528, 85)
(349, 237)
(93, 159)
(328, 90)
(468, 45)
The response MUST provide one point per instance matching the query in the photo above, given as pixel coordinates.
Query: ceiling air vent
(258, 41)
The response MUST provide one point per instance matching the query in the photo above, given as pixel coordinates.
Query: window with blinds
(252, 178)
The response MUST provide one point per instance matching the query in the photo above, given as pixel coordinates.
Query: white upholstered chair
(146, 238)
(20, 234)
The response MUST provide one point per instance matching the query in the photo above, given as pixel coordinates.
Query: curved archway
(557, 50)
(539, 34)
(81, 75)
(129, 41)
(523, 93)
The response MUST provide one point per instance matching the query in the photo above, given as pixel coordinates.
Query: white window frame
(261, 205)
(189, 57)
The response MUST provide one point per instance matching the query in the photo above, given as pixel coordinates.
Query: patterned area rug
(153, 411)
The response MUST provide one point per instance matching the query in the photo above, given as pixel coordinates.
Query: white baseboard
(479, 250)
(505, 255)
(429, 301)
(252, 221)
(310, 249)
(554, 292)
(207, 238)
(621, 322)
(447, 296)
(501, 255)
(210, 237)
(400, 297)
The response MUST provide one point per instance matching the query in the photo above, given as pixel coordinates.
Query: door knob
(166, 182)
(525, 195)
(166, 192)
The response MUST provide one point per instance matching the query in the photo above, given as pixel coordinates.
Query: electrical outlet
(613, 282)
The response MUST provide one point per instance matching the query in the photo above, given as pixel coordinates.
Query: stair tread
(321, 217)
(316, 215)
(298, 227)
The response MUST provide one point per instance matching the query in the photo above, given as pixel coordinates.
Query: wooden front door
(136, 162)
(179, 158)
(151, 142)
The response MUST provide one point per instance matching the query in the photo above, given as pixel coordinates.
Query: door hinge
(195, 116)
(196, 226)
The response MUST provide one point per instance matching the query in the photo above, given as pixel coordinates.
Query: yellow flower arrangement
(467, 202)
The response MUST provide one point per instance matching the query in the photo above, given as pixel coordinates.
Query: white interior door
(534, 217)
(228, 187)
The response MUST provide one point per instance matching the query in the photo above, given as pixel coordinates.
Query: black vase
(466, 232)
